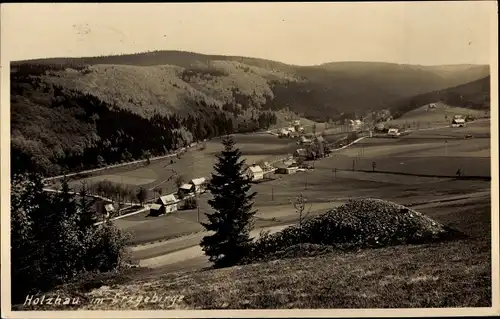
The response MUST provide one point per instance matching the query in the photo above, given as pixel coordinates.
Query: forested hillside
(70, 114)
(317, 92)
(56, 129)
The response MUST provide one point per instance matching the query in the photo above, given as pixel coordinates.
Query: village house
(284, 133)
(458, 122)
(168, 204)
(393, 132)
(198, 184)
(155, 209)
(304, 141)
(109, 209)
(283, 168)
(185, 190)
(255, 173)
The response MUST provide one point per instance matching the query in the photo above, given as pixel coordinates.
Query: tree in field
(141, 195)
(232, 202)
(179, 181)
(299, 204)
(147, 156)
(158, 190)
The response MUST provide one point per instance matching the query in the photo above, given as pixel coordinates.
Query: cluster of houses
(314, 148)
(292, 131)
(355, 125)
(170, 203)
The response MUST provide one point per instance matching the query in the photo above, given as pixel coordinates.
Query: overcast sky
(296, 33)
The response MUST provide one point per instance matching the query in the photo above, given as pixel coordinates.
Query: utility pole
(198, 206)
(353, 163)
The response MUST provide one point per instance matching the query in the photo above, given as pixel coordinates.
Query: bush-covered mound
(359, 223)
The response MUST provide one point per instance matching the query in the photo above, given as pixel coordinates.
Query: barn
(255, 173)
(286, 168)
(155, 210)
(185, 190)
(168, 203)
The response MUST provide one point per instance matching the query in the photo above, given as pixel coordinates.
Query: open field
(434, 152)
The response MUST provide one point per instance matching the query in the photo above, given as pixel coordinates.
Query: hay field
(433, 152)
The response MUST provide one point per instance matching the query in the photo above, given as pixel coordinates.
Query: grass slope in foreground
(439, 274)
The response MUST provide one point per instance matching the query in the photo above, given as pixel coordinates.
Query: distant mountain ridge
(318, 92)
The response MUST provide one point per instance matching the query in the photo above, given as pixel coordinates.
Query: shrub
(360, 223)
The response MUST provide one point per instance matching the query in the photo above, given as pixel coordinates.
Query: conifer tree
(87, 217)
(232, 202)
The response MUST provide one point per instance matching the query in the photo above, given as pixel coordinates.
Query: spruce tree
(87, 216)
(232, 202)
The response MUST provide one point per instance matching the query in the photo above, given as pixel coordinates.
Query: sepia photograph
(252, 159)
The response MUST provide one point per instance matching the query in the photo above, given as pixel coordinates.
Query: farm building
(155, 210)
(109, 208)
(255, 173)
(284, 133)
(185, 190)
(198, 185)
(355, 124)
(284, 168)
(458, 122)
(393, 132)
(168, 203)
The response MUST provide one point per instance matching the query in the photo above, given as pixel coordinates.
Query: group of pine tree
(55, 237)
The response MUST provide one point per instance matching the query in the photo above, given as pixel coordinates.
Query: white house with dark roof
(168, 203)
(185, 190)
(198, 185)
(458, 122)
(255, 173)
